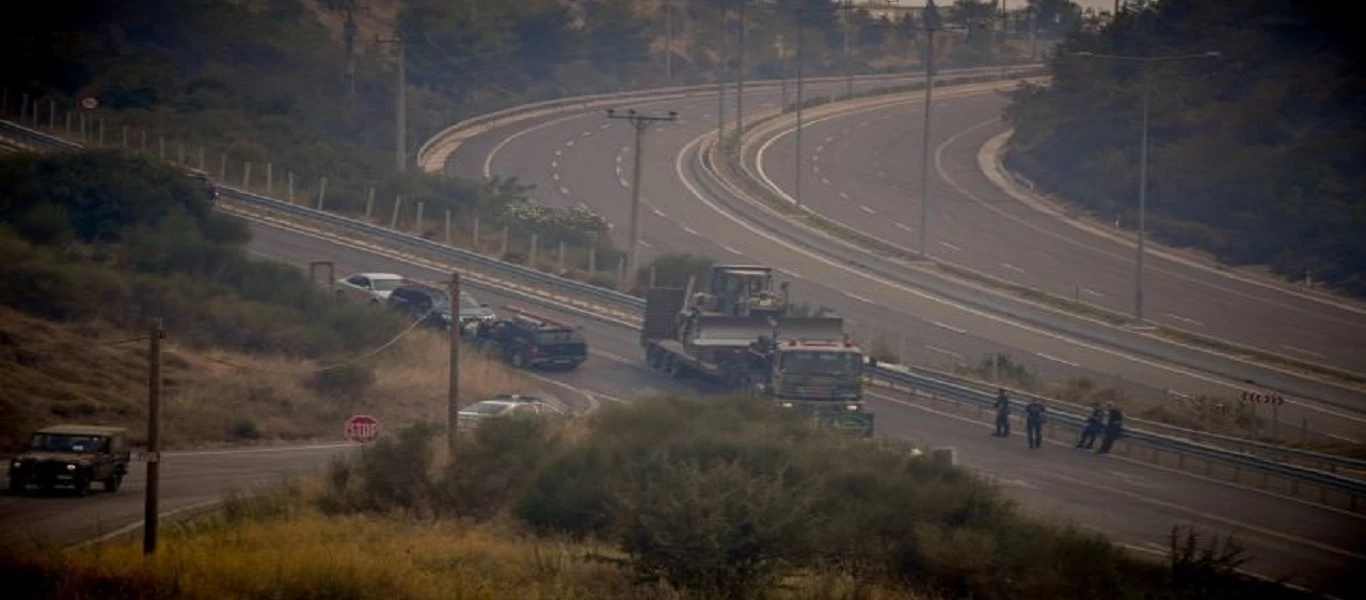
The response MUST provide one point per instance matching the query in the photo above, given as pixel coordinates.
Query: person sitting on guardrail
(1034, 418)
(1094, 424)
(1113, 429)
(1002, 414)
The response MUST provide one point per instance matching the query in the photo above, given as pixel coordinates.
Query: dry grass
(52, 373)
(302, 554)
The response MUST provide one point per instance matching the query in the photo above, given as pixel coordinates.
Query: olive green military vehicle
(73, 456)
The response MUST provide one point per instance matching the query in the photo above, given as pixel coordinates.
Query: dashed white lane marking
(858, 297)
(657, 212)
(1185, 320)
(1057, 360)
(564, 190)
(844, 195)
(731, 250)
(819, 148)
(619, 157)
(902, 226)
(624, 183)
(1013, 268)
(1303, 351)
(791, 273)
(829, 139)
(1092, 292)
(643, 244)
(948, 327)
(882, 174)
(825, 181)
(569, 143)
(863, 123)
(586, 133)
(555, 176)
(604, 126)
(949, 246)
(690, 230)
(558, 153)
(554, 164)
(625, 149)
(943, 351)
(867, 210)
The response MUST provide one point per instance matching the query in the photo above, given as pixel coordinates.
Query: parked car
(417, 299)
(373, 288)
(504, 405)
(202, 178)
(527, 340)
(72, 456)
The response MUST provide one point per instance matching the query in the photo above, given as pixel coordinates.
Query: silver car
(372, 288)
(503, 405)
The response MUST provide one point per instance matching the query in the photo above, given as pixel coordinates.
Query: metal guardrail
(497, 117)
(938, 385)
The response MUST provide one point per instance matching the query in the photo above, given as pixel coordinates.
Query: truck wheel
(112, 484)
(673, 367)
(82, 486)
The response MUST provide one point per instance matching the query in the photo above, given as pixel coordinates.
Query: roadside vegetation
(93, 245)
(1255, 157)
(668, 498)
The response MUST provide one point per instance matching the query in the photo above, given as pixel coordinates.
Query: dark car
(528, 340)
(417, 299)
(72, 456)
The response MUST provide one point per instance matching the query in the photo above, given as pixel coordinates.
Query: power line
(333, 366)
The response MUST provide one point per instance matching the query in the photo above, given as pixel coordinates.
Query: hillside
(1255, 156)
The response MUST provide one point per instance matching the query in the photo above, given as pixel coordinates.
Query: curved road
(863, 169)
(585, 158)
(1320, 548)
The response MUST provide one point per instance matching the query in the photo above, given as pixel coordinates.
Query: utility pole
(151, 496)
(848, 57)
(932, 23)
(668, 42)
(349, 33)
(740, 76)
(401, 102)
(641, 122)
(453, 389)
(721, 73)
(1005, 33)
(797, 179)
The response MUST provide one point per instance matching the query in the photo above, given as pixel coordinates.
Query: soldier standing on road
(1002, 413)
(1034, 418)
(1113, 430)
(1094, 424)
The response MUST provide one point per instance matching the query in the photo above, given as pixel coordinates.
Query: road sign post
(362, 429)
(1269, 398)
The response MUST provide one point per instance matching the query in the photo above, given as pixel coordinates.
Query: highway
(1318, 547)
(862, 168)
(585, 158)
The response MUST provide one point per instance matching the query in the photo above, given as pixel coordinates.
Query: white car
(373, 288)
(503, 405)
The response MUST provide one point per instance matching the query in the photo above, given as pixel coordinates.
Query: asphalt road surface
(864, 170)
(1321, 548)
(585, 158)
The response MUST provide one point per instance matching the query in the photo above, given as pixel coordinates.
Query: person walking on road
(1002, 413)
(1034, 418)
(1094, 424)
(1113, 429)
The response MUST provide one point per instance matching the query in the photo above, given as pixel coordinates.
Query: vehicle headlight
(851, 407)
(71, 467)
(786, 405)
(16, 464)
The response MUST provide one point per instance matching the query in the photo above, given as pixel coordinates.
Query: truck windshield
(46, 442)
(813, 362)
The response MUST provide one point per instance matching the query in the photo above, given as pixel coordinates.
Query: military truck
(738, 334)
(72, 456)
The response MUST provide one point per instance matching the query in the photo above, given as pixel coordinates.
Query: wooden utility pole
(149, 517)
(400, 102)
(453, 392)
(640, 122)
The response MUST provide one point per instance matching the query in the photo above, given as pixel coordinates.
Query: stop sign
(362, 429)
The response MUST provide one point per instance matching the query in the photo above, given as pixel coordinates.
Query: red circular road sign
(90, 103)
(362, 429)
(1260, 398)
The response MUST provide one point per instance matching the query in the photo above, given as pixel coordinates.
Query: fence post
(201, 158)
(23, 107)
(448, 227)
(652, 275)
(52, 114)
(474, 240)
(418, 223)
(101, 134)
(393, 218)
(531, 252)
(504, 250)
(270, 176)
(68, 123)
(161, 148)
(289, 175)
(124, 143)
(246, 175)
(180, 153)
(322, 192)
(593, 261)
(369, 202)
(621, 271)
(560, 260)
(223, 167)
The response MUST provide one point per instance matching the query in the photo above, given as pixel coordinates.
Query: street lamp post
(932, 24)
(1143, 160)
(640, 122)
